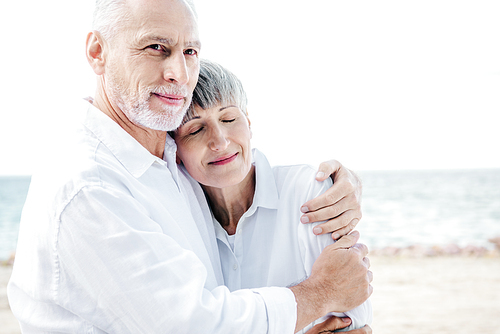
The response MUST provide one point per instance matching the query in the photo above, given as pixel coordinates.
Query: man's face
(152, 66)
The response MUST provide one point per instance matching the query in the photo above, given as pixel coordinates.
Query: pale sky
(375, 84)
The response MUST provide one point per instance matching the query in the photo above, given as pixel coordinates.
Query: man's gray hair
(216, 86)
(110, 14)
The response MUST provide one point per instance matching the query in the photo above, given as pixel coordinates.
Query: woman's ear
(95, 52)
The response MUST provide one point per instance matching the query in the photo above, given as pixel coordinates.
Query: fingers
(347, 241)
(363, 251)
(370, 277)
(367, 262)
(365, 330)
(340, 218)
(333, 202)
(330, 325)
(345, 230)
(339, 190)
(327, 168)
(339, 226)
(361, 248)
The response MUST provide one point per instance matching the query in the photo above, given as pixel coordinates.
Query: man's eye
(228, 120)
(156, 47)
(191, 52)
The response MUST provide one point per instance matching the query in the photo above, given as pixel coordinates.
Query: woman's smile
(224, 160)
(214, 146)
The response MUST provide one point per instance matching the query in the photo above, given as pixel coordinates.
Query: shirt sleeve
(119, 271)
(312, 245)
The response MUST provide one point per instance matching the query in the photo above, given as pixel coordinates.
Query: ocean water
(13, 191)
(400, 208)
(430, 207)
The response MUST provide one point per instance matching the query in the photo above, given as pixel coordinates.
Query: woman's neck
(230, 203)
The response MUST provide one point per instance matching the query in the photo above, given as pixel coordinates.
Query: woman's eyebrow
(193, 118)
(231, 106)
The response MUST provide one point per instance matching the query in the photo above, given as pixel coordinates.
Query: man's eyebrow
(193, 44)
(168, 41)
(154, 38)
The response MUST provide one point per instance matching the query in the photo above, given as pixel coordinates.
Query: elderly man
(111, 240)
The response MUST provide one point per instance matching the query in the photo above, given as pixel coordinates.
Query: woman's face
(215, 146)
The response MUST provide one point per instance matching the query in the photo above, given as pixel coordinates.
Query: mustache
(171, 89)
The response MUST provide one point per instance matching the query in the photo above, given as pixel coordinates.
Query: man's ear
(95, 52)
(177, 159)
(249, 126)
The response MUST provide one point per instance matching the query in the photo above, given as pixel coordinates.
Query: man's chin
(163, 122)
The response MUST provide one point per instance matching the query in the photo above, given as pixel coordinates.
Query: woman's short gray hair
(216, 86)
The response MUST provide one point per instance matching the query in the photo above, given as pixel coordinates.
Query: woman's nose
(218, 140)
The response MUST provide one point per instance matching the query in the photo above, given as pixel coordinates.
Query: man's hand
(339, 281)
(334, 323)
(340, 205)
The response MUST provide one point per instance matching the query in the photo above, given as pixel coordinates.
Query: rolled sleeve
(281, 308)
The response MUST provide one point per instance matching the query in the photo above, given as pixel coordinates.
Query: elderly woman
(255, 208)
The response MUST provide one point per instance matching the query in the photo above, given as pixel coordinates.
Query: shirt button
(240, 231)
(235, 266)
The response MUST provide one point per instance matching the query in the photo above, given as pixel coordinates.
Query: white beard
(136, 106)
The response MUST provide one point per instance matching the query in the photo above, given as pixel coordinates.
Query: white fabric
(111, 241)
(271, 246)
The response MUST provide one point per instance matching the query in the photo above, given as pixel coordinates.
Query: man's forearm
(309, 308)
(339, 281)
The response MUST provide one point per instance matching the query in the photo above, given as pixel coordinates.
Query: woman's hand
(340, 205)
(334, 323)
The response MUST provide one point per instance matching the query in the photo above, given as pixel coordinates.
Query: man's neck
(152, 140)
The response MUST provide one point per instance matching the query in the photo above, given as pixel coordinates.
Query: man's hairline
(126, 15)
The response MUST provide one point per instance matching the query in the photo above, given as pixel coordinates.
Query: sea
(400, 208)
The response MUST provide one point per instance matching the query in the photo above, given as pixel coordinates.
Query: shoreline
(444, 290)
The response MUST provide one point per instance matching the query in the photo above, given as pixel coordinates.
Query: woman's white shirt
(271, 247)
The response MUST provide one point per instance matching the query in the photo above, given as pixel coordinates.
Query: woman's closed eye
(228, 120)
(195, 132)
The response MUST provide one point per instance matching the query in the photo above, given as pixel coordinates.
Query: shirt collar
(131, 154)
(266, 192)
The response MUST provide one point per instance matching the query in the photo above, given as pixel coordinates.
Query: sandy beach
(412, 294)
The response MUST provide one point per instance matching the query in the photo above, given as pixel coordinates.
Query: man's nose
(176, 70)
(218, 140)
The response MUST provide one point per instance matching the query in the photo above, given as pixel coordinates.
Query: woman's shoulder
(292, 180)
(298, 183)
(301, 174)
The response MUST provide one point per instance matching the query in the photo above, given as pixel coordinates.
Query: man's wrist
(310, 305)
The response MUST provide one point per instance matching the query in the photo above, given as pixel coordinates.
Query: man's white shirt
(111, 240)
